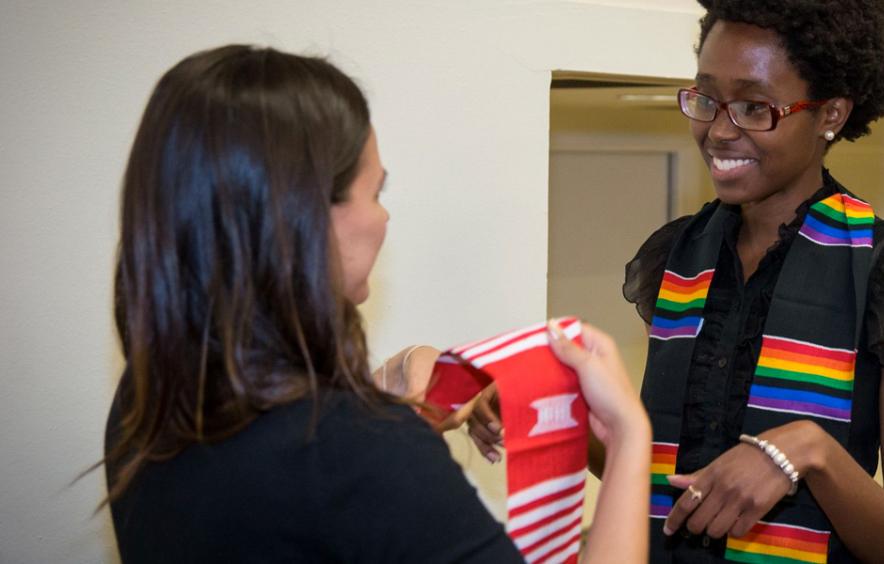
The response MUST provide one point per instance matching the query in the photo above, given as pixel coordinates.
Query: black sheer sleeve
(875, 306)
(645, 272)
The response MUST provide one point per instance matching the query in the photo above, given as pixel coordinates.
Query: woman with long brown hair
(246, 426)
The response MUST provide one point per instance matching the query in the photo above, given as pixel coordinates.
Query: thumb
(681, 481)
(565, 350)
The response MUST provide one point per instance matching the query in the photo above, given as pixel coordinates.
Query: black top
(729, 343)
(366, 488)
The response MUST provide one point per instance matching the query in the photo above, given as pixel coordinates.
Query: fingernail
(671, 477)
(666, 530)
(493, 457)
(551, 329)
(494, 427)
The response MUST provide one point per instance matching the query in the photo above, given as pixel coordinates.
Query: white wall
(459, 90)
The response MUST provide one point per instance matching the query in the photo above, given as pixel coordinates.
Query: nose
(722, 128)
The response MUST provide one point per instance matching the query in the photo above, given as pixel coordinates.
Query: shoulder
(645, 271)
(663, 238)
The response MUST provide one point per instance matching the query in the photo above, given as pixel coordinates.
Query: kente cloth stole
(805, 369)
(547, 430)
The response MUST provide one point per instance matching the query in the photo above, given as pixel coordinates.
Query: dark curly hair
(837, 46)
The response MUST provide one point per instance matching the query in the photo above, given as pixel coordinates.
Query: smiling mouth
(730, 164)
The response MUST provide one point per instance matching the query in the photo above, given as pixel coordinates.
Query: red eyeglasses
(745, 114)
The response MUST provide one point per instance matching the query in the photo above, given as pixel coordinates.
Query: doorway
(621, 164)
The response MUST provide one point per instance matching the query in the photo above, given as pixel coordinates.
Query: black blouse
(728, 346)
(729, 343)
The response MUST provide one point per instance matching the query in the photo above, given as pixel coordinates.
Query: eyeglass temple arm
(802, 105)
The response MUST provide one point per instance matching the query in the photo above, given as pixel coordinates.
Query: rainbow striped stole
(839, 221)
(802, 378)
(679, 307)
(807, 366)
(663, 457)
(779, 544)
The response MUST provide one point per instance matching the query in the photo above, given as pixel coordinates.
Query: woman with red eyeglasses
(766, 308)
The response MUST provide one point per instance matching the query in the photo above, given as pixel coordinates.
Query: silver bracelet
(778, 457)
(407, 355)
(403, 378)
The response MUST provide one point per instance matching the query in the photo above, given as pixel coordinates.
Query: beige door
(602, 206)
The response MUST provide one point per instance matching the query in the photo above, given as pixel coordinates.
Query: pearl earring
(829, 135)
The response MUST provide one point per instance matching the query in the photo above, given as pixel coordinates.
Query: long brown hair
(228, 293)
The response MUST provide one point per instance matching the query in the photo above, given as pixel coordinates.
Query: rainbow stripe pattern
(839, 221)
(799, 377)
(779, 544)
(679, 308)
(663, 457)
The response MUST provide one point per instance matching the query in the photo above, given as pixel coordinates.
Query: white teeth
(729, 164)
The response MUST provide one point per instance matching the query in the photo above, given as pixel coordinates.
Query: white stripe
(478, 342)
(560, 557)
(522, 345)
(555, 543)
(446, 358)
(544, 511)
(537, 535)
(813, 345)
(794, 527)
(472, 350)
(666, 444)
(673, 337)
(540, 339)
(694, 336)
(690, 278)
(832, 244)
(798, 412)
(571, 330)
(465, 346)
(545, 488)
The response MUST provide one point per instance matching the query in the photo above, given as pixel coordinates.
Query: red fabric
(547, 431)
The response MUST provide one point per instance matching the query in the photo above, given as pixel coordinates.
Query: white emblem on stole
(553, 414)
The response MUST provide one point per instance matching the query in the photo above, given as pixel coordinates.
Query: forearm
(850, 498)
(619, 531)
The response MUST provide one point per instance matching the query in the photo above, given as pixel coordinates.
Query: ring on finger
(696, 495)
